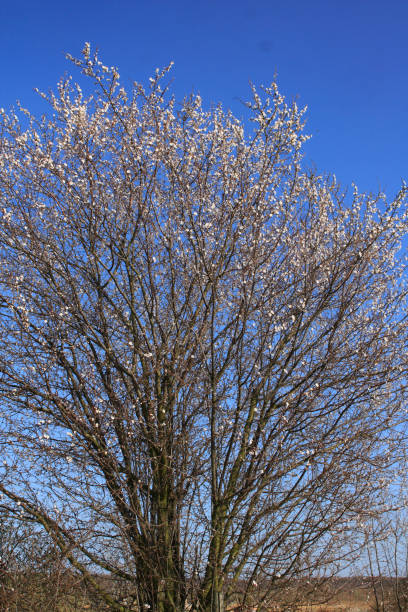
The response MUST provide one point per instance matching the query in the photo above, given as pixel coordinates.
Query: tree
(386, 554)
(203, 346)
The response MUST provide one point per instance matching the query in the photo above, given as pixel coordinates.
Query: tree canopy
(203, 344)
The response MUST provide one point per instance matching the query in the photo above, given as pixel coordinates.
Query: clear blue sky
(347, 60)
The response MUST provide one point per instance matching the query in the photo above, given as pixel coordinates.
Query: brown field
(336, 595)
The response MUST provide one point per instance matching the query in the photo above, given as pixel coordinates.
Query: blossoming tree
(203, 346)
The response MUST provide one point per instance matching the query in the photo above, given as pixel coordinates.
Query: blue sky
(347, 60)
